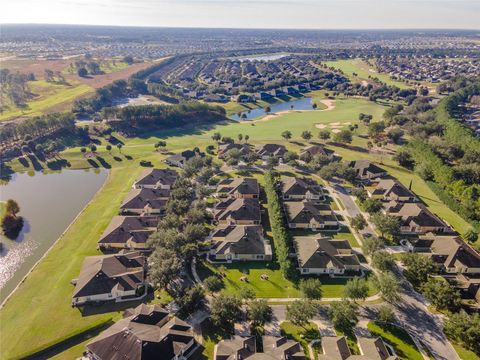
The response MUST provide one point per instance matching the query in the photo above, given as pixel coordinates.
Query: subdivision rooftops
(242, 239)
(157, 177)
(336, 348)
(101, 274)
(299, 186)
(271, 150)
(317, 150)
(240, 186)
(302, 212)
(124, 228)
(388, 187)
(147, 332)
(367, 169)
(239, 209)
(141, 198)
(324, 252)
(414, 212)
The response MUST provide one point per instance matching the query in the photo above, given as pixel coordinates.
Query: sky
(298, 14)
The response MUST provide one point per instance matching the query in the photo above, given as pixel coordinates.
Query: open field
(53, 97)
(39, 312)
(363, 71)
(464, 353)
(398, 338)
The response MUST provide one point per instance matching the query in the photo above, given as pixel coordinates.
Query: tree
(128, 59)
(311, 288)
(191, 299)
(382, 260)
(287, 135)
(225, 310)
(359, 222)
(386, 314)
(268, 109)
(386, 224)
(464, 329)
(213, 283)
(289, 157)
(259, 312)
(306, 135)
(372, 205)
(119, 146)
(216, 137)
(93, 148)
(108, 147)
(356, 288)
(343, 137)
(82, 72)
(240, 137)
(419, 267)
(324, 134)
(344, 315)
(470, 235)
(376, 128)
(246, 137)
(441, 294)
(371, 245)
(388, 285)
(299, 312)
(161, 144)
(164, 267)
(246, 293)
(83, 150)
(314, 106)
(12, 208)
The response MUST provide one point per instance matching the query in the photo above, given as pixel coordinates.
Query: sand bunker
(320, 126)
(335, 131)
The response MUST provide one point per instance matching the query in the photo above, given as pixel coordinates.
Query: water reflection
(304, 103)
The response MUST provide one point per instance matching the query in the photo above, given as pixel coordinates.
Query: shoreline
(54, 243)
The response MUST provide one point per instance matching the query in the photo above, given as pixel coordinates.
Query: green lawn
(351, 341)
(363, 71)
(398, 338)
(275, 287)
(303, 335)
(211, 336)
(465, 354)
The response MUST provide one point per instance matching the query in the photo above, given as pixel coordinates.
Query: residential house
(453, 255)
(238, 212)
(147, 332)
(179, 160)
(274, 348)
(156, 179)
(240, 243)
(263, 95)
(315, 150)
(323, 255)
(239, 188)
(467, 285)
(367, 170)
(242, 98)
(389, 189)
(267, 151)
(336, 348)
(416, 218)
(110, 277)
(128, 232)
(292, 188)
(309, 215)
(244, 149)
(145, 201)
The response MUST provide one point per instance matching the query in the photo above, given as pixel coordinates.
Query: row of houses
(333, 348)
(274, 93)
(120, 275)
(264, 151)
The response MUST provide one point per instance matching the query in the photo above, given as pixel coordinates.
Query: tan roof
(302, 212)
(240, 209)
(299, 186)
(243, 239)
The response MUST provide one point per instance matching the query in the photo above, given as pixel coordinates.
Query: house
(416, 218)
(309, 215)
(274, 348)
(292, 188)
(367, 170)
(145, 201)
(239, 188)
(244, 149)
(467, 286)
(291, 90)
(278, 92)
(128, 232)
(110, 277)
(454, 255)
(323, 255)
(156, 179)
(179, 160)
(389, 189)
(242, 98)
(238, 212)
(263, 95)
(147, 332)
(336, 348)
(216, 98)
(315, 150)
(240, 243)
(267, 151)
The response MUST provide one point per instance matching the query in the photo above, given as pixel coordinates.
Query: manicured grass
(275, 287)
(49, 96)
(303, 335)
(351, 341)
(398, 338)
(465, 354)
(363, 71)
(211, 336)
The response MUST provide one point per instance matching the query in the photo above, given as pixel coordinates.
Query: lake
(49, 202)
(304, 103)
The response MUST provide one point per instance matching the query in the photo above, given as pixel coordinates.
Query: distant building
(147, 332)
(179, 160)
(270, 150)
(244, 149)
(242, 98)
(323, 255)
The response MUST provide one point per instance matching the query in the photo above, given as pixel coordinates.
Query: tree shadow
(116, 158)
(93, 163)
(24, 162)
(128, 157)
(35, 163)
(103, 162)
(58, 164)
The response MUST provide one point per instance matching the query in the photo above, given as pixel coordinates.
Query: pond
(49, 202)
(304, 103)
